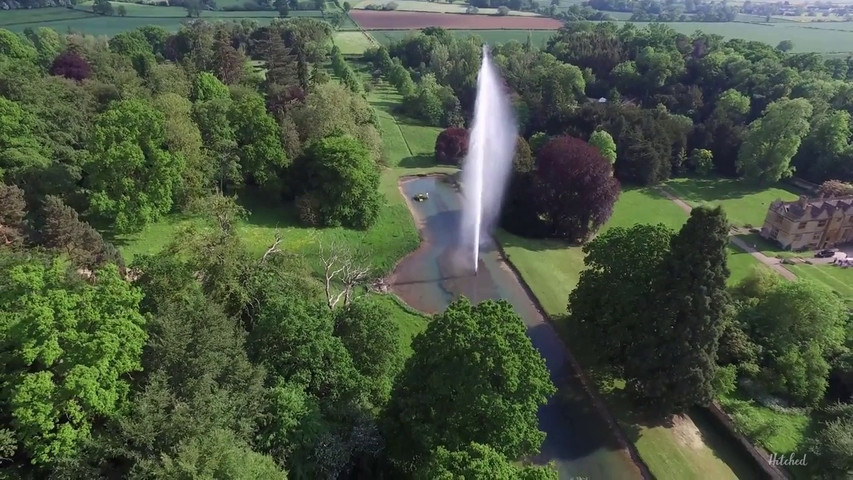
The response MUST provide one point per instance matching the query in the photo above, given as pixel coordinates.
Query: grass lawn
(833, 37)
(741, 264)
(410, 322)
(778, 432)
(352, 43)
(552, 268)
(840, 280)
(827, 38)
(744, 205)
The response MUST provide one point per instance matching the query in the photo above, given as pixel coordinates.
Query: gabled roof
(810, 209)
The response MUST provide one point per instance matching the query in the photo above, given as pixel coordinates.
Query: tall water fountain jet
(491, 146)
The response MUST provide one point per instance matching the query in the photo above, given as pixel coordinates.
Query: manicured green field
(494, 37)
(744, 205)
(353, 43)
(839, 279)
(552, 268)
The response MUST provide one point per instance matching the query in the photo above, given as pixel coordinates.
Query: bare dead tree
(340, 265)
(273, 248)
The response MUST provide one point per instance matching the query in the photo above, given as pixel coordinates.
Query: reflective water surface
(578, 440)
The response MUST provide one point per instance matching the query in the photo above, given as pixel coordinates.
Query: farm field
(83, 21)
(493, 37)
(805, 38)
(436, 7)
(394, 20)
(825, 38)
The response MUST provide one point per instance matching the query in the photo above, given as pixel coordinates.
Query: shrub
(503, 10)
(390, 6)
(835, 188)
(451, 146)
(701, 161)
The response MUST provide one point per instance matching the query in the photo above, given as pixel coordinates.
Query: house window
(821, 223)
(773, 233)
(816, 236)
(798, 237)
(803, 225)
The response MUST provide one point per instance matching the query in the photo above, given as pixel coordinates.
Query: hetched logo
(782, 460)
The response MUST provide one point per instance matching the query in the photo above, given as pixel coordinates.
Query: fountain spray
(492, 139)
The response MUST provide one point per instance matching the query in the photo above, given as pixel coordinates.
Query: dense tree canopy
(687, 315)
(451, 146)
(67, 347)
(578, 190)
(132, 176)
(773, 140)
(447, 396)
(341, 181)
(611, 321)
(799, 325)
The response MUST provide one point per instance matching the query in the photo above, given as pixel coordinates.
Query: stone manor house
(809, 224)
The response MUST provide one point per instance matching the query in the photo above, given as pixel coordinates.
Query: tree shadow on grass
(418, 161)
(266, 210)
(387, 105)
(509, 239)
(714, 189)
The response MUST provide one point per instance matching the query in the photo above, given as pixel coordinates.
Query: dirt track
(379, 20)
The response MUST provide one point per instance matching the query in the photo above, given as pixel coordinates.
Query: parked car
(826, 253)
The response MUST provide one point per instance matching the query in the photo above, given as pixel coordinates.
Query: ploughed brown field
(384, 20)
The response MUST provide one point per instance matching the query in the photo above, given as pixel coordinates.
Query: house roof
(811, 209)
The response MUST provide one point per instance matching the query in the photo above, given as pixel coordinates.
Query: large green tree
(67, 347)
(131, 175)
(22, 155)
(294, 338)
(473, 377)
(673, 367)
(258, 143)
(480, 461)
(831, 442)
(371, 336)
(13, 212)
(773, 140)
(342, 182)
(611, 321)
(183, 138)
(218, 454)
(800, 325)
